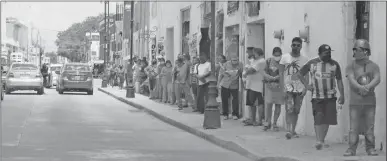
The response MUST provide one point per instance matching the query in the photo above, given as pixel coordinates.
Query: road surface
(79, 127)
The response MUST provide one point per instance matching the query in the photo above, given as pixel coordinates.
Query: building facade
(252, 24)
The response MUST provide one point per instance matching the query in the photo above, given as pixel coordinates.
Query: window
(253, 8)
(232, 6)
(362, 18)
(93, 53)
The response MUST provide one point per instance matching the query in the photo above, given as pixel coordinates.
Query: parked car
(54, 70)
(3, 78)
(24, 76)
(75, 77)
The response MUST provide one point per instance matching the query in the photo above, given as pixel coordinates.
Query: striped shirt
(323, 77)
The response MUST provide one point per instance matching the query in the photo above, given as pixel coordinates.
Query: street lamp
(130, 87)
(211, 113)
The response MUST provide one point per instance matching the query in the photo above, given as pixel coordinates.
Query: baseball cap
(324, 48)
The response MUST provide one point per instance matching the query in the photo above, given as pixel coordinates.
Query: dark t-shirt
(358, 69)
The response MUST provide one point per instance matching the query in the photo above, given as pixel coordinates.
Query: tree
(71, 41)
(53, 57)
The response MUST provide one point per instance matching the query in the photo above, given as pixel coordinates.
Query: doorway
(169, 51)
(362, 19)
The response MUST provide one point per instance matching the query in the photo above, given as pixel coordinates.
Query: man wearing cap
(324, 70)
(363, 76)
(290, 64)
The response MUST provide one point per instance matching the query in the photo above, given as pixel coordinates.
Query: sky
(51, 17)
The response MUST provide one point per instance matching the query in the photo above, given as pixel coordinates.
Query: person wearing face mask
(324, 71)
(254, 86)
(203, 71)
(273, 89)
(290, 64)
(363, 76)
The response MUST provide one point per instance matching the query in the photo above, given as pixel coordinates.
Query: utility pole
(105, 38)
(211, 113)
(130, 88)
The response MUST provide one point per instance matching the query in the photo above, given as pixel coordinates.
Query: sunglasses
(296, 45)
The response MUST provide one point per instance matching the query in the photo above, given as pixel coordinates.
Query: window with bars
(232, 6)
(185, 31)
(362, 18)
(253, 8)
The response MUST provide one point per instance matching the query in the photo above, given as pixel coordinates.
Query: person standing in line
(290, 64)
(159, 86)
(194, 82)
(228, 80)
(151, 72)
(166, 81)
(363, 76)
(324, 70)
(273, 90)
(179, 74)
(250, 54)
(203, 71)
(254, 86)
(121, 75)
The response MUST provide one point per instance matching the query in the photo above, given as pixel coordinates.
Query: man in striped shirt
(324, 70)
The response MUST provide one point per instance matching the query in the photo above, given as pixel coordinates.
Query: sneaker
(349, 152)
(275, 127)
(326, 145)
(265, 128)
(225, 118)
(372, 152)
(318, 145)
(295, 135)
(235, 117)
(288, 135)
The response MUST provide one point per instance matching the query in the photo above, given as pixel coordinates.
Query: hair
(223, 57)
(179, 60)
(277, 49)
(186, 57)
(259, 51)
(161, 59)
(168, 62)
(297, 39)
(154, 62)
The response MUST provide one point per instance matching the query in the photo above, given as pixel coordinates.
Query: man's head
(250, 52)
(258, 53)
(361, 49)
(234, 59)
(161, 60)
(179, 62)
(186, 57)
(324, 52)
(195, 60)
(221, 58)
(168, 63)
(154, 62)
(296, 46)
(203, 58)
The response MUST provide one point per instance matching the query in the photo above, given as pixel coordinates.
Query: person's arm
(220, 77)
(351, 77)
(339, 80)
(376, 79)
(266, 71)
(303, 73)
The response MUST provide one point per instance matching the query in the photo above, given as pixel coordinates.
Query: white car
(54, 73)
(24, 76)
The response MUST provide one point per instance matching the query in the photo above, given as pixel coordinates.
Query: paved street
(79, 127)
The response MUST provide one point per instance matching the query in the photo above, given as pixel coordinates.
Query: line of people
(282, 79)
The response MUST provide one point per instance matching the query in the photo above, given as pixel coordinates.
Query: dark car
(75, 77)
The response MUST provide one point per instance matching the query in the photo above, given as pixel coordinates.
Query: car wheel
(41, 91)
(7, 91)
(90, 92)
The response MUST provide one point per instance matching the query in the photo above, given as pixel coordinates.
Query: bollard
(104, 83)
(130, 92)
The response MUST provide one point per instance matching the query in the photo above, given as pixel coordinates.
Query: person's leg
(354, 113)
(194, 88)
(178, 93)
(369, 112)
(318, 114)
(205, 96)
(268, 114)
(277, 113)
(289, 105)
(235, 103)
(170, 92)
(251, 97)
(200, 99)
(225, 94)
(261, 110)
(297, 108)
(330, 118)
(165, 92)
(188, 95)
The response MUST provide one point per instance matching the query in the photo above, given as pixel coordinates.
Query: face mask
(360, 55)
(277, 58)
(251, 60)
(326, 58)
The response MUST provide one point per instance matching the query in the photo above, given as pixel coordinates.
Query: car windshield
(55, 68)
(82, 68)
(24, 67)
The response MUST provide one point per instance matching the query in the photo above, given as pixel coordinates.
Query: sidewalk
(251, 142)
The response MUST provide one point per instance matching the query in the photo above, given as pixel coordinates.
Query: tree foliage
(71, 41)
(53, 57)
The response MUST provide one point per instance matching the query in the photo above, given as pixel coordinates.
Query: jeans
(194, 88)
(362, 121)
(202, 97)
(182, 88)
(225, 95)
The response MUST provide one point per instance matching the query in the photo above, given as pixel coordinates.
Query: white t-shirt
(291, 82)
(255, 81)
(203, 69)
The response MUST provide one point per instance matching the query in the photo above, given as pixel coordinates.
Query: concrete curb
(229, 145)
